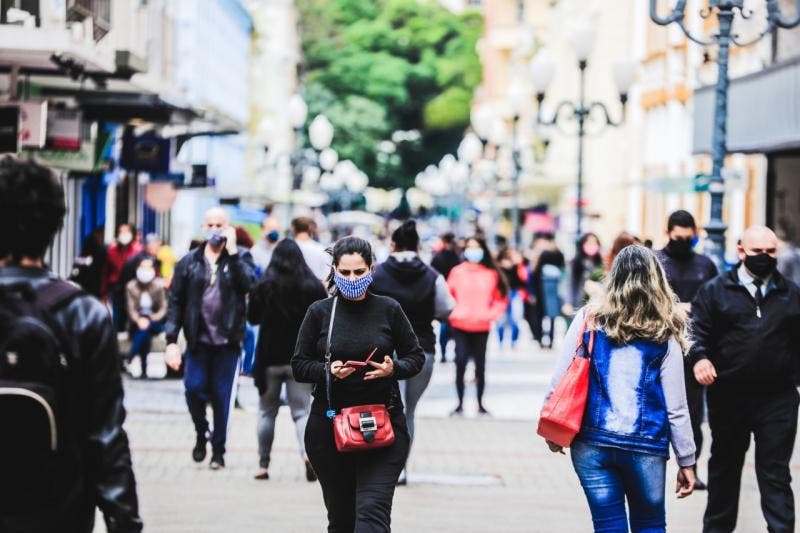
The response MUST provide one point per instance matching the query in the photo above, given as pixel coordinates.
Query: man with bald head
(207, 301)
(746, 350)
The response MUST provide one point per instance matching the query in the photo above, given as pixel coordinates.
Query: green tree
(377, 66)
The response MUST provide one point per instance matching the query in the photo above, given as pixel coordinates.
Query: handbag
(562, 414)
(361, 427)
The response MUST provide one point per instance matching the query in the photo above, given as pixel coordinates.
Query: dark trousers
(470, 345)
(772, 419)
(142, 341)
(444, 337)
(208, 377)
(119, 310)
(696, 398)
(358, 487)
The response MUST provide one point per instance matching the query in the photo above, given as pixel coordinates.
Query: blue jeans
(142, 341)
(509, 318)
(209, 375)
(609, 476)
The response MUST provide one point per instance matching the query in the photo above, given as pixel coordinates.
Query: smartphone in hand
(361, 364)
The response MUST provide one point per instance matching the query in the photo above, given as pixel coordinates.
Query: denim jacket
(637, 395)
(626, 406)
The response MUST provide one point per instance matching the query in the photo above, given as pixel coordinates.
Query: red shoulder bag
(358, 428)
(562, 415)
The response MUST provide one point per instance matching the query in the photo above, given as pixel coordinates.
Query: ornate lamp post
(725, 11)
(542, 72)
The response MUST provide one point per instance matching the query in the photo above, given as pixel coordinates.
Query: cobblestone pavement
(466, 474)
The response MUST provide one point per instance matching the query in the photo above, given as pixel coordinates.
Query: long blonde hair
(639, 303)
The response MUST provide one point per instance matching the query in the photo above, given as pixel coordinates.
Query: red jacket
(479, 301)
(115, 260)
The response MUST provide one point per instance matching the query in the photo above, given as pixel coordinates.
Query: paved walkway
(467, 474)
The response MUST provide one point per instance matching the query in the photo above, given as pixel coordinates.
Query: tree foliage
(377, 66)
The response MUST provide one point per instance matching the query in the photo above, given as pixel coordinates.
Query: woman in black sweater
(358, 487)
(278, 304)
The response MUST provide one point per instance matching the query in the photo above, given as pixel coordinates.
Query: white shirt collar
(405, 255)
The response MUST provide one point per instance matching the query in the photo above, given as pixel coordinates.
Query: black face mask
(762, 265)
(680, 248)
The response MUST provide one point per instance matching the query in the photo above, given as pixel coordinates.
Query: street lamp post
(543, 70)
(725, 10)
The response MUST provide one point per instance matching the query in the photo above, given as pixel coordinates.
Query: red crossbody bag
(358, 428)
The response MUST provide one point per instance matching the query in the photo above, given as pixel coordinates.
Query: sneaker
(458, 411)
(199, 451)
(261, 473)
(217, 461)
(483, 412)
(310, 474)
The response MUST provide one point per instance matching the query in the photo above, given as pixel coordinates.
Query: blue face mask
(352, 289)
(215, 237)
(273, 236)
(473, 255)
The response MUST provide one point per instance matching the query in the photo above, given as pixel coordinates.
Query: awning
(763, 111)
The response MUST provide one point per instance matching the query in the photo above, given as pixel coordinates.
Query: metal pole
(581, 112)
(515, 235)
(716, 227)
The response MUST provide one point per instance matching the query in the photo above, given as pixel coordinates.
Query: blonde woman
(637, 398)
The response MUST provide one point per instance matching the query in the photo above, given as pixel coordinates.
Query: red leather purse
(358, 428)
(562, 414)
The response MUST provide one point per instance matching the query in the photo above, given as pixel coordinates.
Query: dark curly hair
(32, 208)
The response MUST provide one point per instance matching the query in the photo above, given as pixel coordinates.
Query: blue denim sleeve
(674, 386)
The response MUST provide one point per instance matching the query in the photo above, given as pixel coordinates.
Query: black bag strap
(328, 381)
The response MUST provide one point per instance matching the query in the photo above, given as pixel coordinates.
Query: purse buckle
(367, 423)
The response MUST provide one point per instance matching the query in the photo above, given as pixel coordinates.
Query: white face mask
(125, 238)
(145, 275)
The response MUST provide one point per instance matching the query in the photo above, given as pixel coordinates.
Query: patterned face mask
(352, 289)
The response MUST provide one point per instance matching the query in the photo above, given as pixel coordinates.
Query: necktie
(759, 296)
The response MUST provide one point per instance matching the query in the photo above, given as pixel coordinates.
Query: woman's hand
(341, 371)
(555, 448)
(382, 370)
(686, 481)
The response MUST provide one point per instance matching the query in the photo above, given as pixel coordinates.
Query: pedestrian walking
(147, 307)
(516, 273)
(423, 295)
(64, 451)
(336, 339)
(480, 291)
(111, 287)
(207, 302)
(788, 257)
(87, 270)
(445, 260)
(547, 274)
(586, 265)
(687, 271)
(318, 260)
(278, 305)
(262, 250)
(636, 402)
(746, 329)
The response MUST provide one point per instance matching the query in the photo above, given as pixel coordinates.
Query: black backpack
(34, 396)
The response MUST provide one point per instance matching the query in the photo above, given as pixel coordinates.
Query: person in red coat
(480, 290)
(125, 247)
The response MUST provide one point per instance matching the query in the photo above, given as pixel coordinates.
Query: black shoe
(483, 412)
(199, 451)
(217, 461)
(699, 485)
(458, 411)
(310, 474)
(402, 481)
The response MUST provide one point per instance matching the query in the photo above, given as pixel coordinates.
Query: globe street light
(724, 38)
(542, 73)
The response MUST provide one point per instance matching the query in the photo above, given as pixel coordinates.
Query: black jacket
(103, 476)
(687, 275)
(413, 284)
(235, 275)
(748, 352)
(444, 261)
(280, 325)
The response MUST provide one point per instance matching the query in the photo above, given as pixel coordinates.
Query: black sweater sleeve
(307, 366)
(410, 357)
